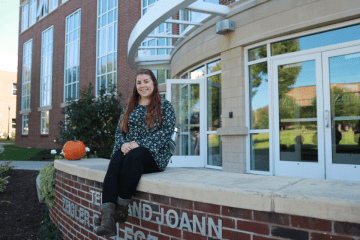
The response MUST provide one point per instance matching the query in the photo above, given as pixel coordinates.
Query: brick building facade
(128, 11)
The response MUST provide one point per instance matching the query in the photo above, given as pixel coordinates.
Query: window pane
(316, 40)
(111, 17)
(151, 1)
(104, 20)
(161, 76)
(259, 98)
(214, 150)
(110, 39)
(110, 62)
(104, 6)
(257, 53)
(214, 66)
(144, 3)
(109, 82)
(103, 81)
(103, 65)
(111, 4)
(214, 102)
(259, 151)
(161, 28)
(197, 73)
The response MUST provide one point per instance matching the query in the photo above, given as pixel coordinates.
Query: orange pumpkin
(74, 150)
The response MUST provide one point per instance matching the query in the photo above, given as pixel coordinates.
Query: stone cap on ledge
(317, 198)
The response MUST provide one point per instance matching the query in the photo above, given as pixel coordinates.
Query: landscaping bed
(20, 209)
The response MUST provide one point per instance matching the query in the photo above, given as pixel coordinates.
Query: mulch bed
(20, 219)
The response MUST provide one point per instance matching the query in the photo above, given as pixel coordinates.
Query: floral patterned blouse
(155, 139)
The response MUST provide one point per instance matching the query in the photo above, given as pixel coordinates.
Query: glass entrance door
(341, 71)
(298, 129)
(188, 98)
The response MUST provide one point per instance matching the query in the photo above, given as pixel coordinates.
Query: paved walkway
(28, 165)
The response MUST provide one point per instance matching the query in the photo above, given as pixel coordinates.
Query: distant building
(8, 93)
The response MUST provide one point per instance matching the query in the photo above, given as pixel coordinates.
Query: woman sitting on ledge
(141, 146)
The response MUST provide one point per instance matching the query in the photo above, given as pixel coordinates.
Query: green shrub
(5, 169)
(43, 154)
(4, 175)
(92, 121)
(47, 183)
(3, 182)
(48, 229)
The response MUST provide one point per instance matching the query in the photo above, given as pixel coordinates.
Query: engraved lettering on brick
(127, 236)
(72, 210)
(185, 222)
(149, 209)
(136, 210)
(201, 227)
(212, 226)
(95, 216)
(97, 199)
(168, 222)
(137, 233)
(162, 217)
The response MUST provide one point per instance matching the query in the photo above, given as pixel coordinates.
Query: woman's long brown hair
(153, 109)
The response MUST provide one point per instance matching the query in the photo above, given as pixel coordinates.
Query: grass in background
(4, 140)
(24, 154)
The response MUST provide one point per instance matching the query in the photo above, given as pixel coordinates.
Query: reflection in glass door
(342, 108)
(187, 97)
(298, 117)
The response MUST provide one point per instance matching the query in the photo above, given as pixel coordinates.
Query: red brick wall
(129, 12)
(237, 223)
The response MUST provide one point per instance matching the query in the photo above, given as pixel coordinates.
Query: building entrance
(317, 115)
(188, 98)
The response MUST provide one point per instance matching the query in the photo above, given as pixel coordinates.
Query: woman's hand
(134, 144)
(126, 147)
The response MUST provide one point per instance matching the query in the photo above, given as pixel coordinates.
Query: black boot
(108, 225)
(122, 210)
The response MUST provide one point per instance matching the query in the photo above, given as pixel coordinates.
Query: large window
(161, 75)
(212, 72)
(26, 75)
(164, 28)
(292, 96)
(25, 125)
(32, 12)
(46, 66)
(44, 122)
(43, 8)
(72, 56)
(53, 4)
(25, 17)
(186, 15)
(106, 45)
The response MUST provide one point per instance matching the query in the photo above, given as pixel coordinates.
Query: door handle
(327, 118)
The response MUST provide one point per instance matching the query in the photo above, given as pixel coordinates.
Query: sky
(9, 28)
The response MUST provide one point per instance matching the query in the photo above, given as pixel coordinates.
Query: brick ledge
(317, 198)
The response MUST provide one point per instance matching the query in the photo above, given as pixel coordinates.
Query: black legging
(124, 173)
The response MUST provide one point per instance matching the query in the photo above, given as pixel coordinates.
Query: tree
(262, 118)
(91, 120)
(344, 104)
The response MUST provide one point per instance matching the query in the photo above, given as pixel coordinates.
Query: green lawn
(4, 140)
(19, 153)
(287, 137)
